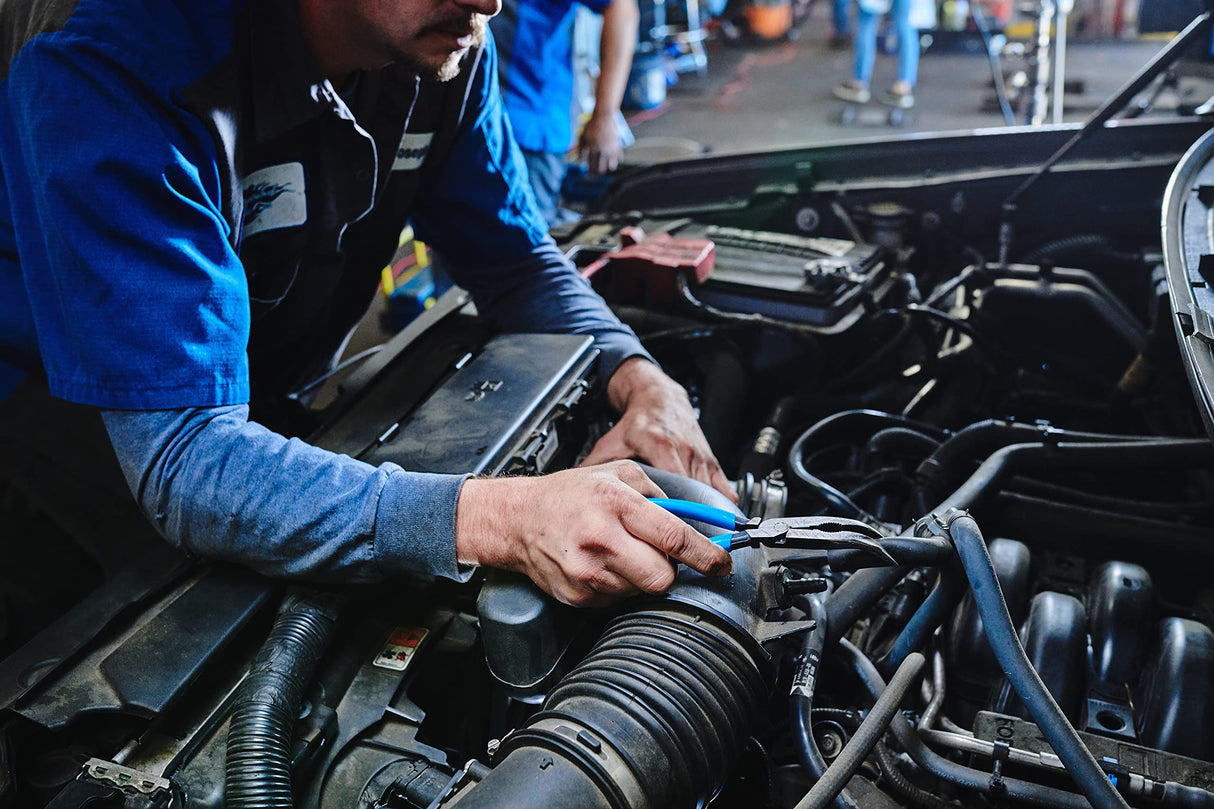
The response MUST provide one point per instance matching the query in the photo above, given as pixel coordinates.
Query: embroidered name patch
(274, 198)
(414, 146)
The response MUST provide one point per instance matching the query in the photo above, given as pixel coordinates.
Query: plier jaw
(805, 533)
(814, 533)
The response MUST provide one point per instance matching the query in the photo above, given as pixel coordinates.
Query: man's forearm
(222, 487)
(616, 45)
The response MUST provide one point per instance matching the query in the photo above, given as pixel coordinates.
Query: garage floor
(763, 95)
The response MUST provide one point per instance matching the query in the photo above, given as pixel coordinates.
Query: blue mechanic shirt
(205, 217)
(192, 218)
(535, 38)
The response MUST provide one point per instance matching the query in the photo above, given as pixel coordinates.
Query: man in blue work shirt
(195, 201)
(534, 38)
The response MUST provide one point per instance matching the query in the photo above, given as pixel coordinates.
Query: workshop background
(729, 76)
(718, 86)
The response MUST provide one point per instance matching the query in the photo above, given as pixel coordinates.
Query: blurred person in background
(535, 41)
(907, 20)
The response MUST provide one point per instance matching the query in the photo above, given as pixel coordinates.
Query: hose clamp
(1001, 752)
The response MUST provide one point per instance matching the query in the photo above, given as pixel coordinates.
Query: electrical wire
(804, 684)
(336, 369)
(900, 784)
(799, 330)
(866, 736)
(833, 496)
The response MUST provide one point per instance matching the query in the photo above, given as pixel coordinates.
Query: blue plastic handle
(689, 510)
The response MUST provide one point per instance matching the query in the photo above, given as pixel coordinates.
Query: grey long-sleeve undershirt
(222, 487)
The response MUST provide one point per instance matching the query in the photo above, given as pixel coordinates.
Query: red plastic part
(645, 268)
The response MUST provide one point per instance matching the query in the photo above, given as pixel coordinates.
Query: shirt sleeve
(481, 217)
(221, 487)
(138, 299)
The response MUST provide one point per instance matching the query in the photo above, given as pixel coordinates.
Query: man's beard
(461, 25)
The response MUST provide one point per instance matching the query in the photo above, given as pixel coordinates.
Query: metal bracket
(124, 778)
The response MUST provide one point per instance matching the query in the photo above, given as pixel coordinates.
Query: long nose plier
(818, 533)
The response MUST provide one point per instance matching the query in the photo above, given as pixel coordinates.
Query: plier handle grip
(818, 533)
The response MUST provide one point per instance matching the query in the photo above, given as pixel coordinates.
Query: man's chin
(442, 68)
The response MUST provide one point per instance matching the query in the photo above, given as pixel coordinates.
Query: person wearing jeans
(901, 92)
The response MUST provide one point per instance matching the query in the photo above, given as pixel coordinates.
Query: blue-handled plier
(821, 533)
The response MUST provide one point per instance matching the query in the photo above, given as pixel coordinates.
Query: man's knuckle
(661, 433)
(603, 581)
(674, 538)
(582, 598)
(613, 497)
(659, 581)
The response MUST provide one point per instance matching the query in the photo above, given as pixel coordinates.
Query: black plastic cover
(145, 669)
(526, 633)
(1055, 640)
(491, 407)
(1121, 604)
(1178, 703)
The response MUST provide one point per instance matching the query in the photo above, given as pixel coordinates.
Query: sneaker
(898, 97)
(853, 91)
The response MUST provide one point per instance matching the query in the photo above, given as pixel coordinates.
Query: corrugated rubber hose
(257, 771)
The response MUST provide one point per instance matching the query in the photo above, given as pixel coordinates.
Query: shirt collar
(288, 86)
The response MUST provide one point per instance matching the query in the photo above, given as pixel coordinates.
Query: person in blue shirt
(536, 72)
(195, 202)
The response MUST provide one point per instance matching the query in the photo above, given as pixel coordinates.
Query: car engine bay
(1013, 395)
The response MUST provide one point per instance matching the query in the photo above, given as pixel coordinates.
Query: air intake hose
(257, 772)
(653, 717)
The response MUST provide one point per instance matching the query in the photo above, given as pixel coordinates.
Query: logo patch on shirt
(274, 198)
(414, 146)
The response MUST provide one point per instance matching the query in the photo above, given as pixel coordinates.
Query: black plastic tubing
(949, 770)
(866, 737)
(1005, 642)
(804, 684)
(257, 771)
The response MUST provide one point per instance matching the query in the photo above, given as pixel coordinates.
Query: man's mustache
(461, 25)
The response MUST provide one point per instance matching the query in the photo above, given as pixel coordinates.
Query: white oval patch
(274, 198)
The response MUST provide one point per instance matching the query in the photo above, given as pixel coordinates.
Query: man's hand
(588, 536)
(600, 145)
(657, 425)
